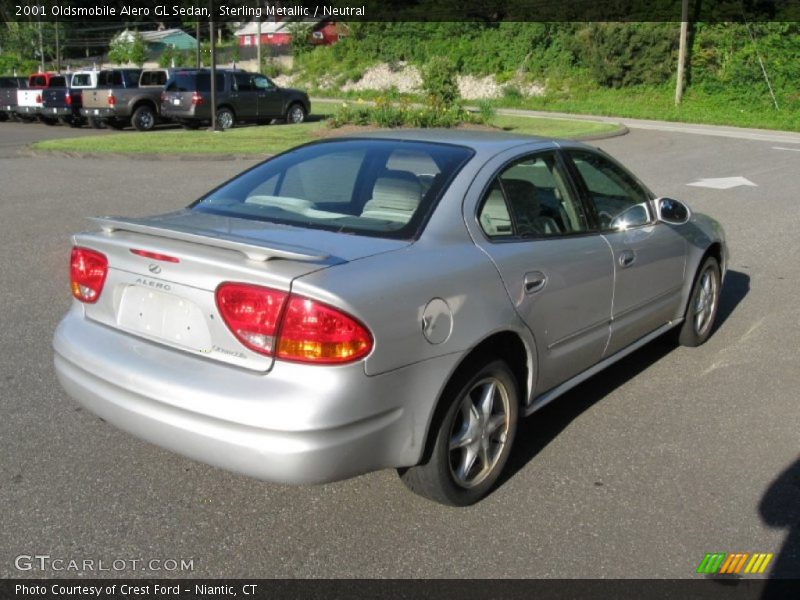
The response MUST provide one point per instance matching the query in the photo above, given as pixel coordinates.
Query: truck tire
(144, 118)
(95, 123)
(295, 114)
(225, 118)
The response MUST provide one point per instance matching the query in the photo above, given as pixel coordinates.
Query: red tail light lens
(112, 101)
(38, 98)
(155, 255)
(316, 333)
(68, 99)
(197, 99)
(87, 274)
(251, 313)
(274, 323)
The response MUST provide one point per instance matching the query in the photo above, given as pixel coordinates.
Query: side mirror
(672, 211)
(633, 216)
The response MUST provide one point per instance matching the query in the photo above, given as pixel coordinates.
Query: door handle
(626, 258)
(534, 282)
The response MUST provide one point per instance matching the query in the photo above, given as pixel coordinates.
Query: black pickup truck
(8, 96)
(64, 103)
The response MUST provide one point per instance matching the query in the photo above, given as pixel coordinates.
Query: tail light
(38, 98)
(112, 100)
(68, 99)
(197, 99)
(87, 274)
(291, 327)
(163, 97)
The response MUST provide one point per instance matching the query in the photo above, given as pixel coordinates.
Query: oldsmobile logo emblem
(154, 269)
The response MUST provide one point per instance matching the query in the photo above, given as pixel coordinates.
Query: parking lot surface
(639, 472)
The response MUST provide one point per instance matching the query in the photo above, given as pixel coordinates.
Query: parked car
(241, 96)
(29, 100)
(8, 96)
(65, 103)
(126, 97)
(394, 300)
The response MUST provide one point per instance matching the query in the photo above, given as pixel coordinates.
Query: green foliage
(486, 112)
(440, 84)
(390, 113)
(167, 57)
(138, 50)
(205, 54)
(625, 54)
(120, 52)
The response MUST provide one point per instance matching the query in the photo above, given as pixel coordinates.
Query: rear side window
(153, 78)
(382, 188)
(195, 82)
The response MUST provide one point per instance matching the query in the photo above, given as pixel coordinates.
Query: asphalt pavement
(638, 472)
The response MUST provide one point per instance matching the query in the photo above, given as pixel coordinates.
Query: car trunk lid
(164, 271)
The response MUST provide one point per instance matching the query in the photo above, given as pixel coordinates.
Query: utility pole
(198, 63)
(213, 74)
(41, 49)
(682, 51)
(58, 50)
(258, 46)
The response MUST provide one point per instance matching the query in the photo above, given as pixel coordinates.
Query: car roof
(476, 139)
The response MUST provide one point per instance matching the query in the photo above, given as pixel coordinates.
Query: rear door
(649, 256)
(270, 99)
(244, 96)
(557, 269)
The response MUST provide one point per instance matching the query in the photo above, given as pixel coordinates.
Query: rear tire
(225, 118)
(48, 121)
(96, 123)
(701, 312)
(143, 119)
(472, 440)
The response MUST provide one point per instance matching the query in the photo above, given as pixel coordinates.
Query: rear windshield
(9, 82)
(81, 80)
(58, 81)
(195, 82)
(384, 188)
(38, 81)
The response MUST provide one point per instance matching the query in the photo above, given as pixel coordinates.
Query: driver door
(270, 100)
(649, 256)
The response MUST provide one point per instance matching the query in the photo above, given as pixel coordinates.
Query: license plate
(164, 317)
(176, 101)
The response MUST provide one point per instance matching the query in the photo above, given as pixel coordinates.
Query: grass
(697, 106)
(272, 139)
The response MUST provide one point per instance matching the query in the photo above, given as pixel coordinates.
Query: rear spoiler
(206, 237)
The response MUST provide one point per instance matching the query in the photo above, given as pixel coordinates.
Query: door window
(619, 201)
(531, 198)
(244, 82)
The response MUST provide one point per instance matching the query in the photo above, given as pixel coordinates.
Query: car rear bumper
(56, 111)
(28, 110)
(295, 424)
(100, 113)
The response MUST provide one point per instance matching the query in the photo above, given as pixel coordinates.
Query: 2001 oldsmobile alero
(392, 300)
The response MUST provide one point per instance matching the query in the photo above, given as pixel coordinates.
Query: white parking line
(789, 149)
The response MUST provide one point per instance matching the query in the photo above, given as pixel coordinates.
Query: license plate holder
(164, 317)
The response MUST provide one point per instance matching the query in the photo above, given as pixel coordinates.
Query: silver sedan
(394, 300)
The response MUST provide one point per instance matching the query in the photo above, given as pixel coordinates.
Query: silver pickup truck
(126, 97)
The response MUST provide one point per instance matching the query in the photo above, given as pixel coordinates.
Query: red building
(279, 33)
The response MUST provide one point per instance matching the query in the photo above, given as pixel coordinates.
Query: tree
(138, 50)
(120, 51)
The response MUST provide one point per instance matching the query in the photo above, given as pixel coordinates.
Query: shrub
(167, 57)
(439, 82)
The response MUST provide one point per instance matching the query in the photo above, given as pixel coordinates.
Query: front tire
(296, 114)
(473, 439)
(701, 312)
